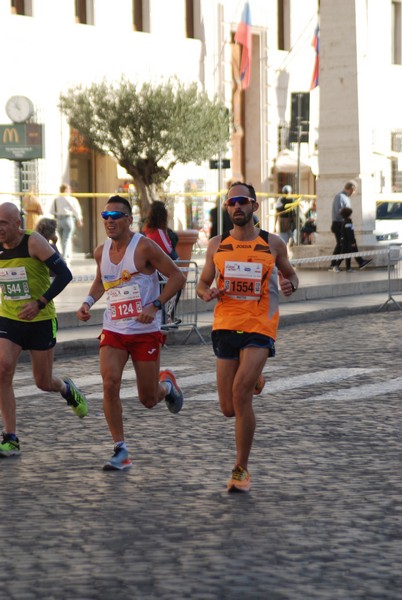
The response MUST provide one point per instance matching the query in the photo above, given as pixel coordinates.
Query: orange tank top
(247, 274)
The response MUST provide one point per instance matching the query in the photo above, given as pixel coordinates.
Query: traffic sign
(223, 163)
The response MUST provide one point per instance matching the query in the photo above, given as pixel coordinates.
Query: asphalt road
(323, 519)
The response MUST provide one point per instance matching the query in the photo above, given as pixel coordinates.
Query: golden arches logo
(10, 136)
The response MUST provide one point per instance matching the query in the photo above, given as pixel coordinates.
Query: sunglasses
(241, 200)
(113, 214)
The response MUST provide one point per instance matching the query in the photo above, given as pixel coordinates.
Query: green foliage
(148, 129)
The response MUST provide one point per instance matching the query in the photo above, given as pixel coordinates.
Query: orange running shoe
(240, 480)
(259, 386)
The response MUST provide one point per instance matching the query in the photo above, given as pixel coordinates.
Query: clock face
(19, 109)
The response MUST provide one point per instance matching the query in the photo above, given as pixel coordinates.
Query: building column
(344, 145)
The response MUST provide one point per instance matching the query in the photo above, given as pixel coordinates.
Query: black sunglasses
(113, 214)
(241, 200)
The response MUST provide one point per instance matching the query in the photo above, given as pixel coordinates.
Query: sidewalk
(322, 295)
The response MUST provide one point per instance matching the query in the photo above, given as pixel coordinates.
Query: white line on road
(277, 385)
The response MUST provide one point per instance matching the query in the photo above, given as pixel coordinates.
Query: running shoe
(119, 460)
(240, 480)
(76, 399)
(259, 386)
(9, 446)
(174, 400)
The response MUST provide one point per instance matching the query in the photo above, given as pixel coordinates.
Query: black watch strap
(40, 304)
(157, 304)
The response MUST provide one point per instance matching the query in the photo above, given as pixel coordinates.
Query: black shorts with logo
(38, 335)
(227, 343)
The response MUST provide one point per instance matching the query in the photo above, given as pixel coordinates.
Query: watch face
(19, 108)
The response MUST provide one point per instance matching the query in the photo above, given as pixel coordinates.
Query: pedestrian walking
(28, 318)
(127, 266)
(67, 211)
(348, 241)
(341, 200)
(246, 260)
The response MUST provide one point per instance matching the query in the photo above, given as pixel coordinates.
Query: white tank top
(127, 291)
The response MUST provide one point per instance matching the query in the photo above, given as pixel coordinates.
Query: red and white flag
(316, 45)
(243, 36)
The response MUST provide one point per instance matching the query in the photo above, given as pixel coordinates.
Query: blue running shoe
(174, 400)
(119, 460)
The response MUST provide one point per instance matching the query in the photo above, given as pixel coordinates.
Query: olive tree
(148, 128)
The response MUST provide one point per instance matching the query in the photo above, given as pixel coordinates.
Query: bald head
(10, 225)
(9, 211)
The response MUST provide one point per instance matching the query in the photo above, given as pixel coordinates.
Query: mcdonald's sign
(23, 141)
(10, 136)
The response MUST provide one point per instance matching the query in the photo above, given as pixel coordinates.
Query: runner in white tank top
(124, 281)
(127, 271)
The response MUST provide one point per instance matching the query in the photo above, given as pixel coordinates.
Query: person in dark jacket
(348, 240)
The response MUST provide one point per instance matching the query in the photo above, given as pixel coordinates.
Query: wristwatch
(157, 304)
(40, 304)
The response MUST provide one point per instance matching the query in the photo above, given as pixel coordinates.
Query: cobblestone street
(322, 521)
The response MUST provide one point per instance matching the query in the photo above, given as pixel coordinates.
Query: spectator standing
(68, 214)
(28, 318)
(33, 210)
(156, 228)
(285, 219)
(341, 200)
(47, 228)
(309, 228)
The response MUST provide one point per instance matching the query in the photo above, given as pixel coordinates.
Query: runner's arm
(204, 290)
(96, 290)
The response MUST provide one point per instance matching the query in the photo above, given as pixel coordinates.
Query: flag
(243, 36)
(316, 45)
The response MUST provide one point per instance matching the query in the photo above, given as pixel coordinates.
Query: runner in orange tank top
(247, 263)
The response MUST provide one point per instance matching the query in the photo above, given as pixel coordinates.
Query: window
(27, 178)
(84, 12)
(137, 16)
(396, 32)
(189, 18)
(21, 7)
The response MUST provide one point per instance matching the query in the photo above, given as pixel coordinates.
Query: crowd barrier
(393, 259)
(181, 311)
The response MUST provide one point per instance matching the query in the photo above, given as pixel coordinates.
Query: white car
(388, 224)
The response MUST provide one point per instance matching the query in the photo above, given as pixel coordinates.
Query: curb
(88, 344)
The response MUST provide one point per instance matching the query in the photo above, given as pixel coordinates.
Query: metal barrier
(393, 254)
(181, 311)
(394, 273)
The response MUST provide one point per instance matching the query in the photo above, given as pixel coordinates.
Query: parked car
(388, 224)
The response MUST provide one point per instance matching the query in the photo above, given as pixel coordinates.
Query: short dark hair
(247, 185)
(345, 212)
(119, 200)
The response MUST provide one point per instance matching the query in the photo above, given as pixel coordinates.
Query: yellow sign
(10, 135)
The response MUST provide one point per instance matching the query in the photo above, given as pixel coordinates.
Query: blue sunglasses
(241, 200)
(113, 214)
